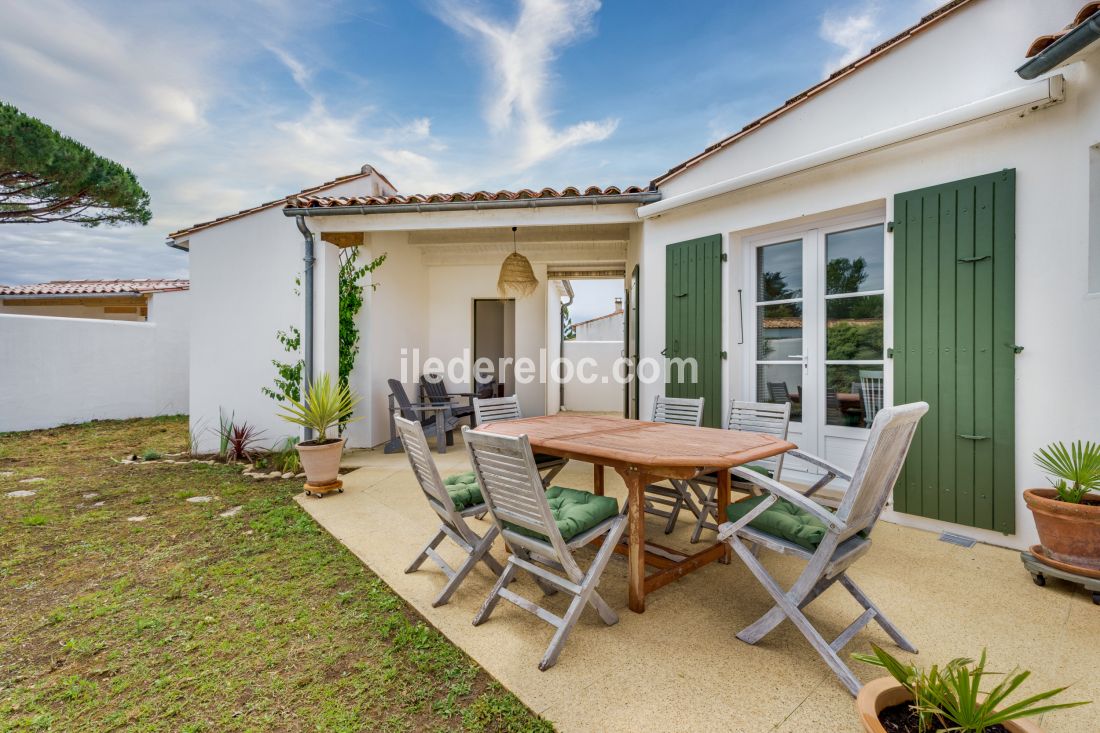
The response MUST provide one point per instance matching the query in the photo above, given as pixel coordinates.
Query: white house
(923, 224)
(112, 300)
(608, 327)
(244, 269)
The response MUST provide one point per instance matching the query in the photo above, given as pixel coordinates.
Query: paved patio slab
(678, 666)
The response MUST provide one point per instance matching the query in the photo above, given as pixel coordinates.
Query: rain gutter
(1063, 49)
(645, 197)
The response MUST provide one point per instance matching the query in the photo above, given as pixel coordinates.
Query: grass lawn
(188, 621)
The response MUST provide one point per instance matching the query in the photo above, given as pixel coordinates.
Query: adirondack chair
(829, 542)
(436, 418)
(485, 386)
(542, 540)
(679, 411)
(452, 515)
(434, 390)
(753, 417)
(507, 408)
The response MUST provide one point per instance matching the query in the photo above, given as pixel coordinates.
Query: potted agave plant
(327, 406)
(950, 698)
(1067, 516)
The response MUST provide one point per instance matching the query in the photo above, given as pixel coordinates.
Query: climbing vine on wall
(288, 374)
(351, 301)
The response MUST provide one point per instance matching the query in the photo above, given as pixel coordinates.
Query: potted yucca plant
(327, 406)
(1067, 515)
(948, 698)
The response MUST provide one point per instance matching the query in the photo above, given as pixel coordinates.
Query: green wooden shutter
(954, 347)
(693, 319)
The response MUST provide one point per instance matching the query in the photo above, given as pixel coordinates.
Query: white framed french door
(816, 332)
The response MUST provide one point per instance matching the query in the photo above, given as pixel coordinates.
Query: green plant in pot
(1067, 515)
(327, 406)
(949, 698)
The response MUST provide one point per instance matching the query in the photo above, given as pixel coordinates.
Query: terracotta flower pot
(321, 462)
(1069, 533)
(886, 692)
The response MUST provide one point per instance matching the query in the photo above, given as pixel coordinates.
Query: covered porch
(430, 306)
(678, 666)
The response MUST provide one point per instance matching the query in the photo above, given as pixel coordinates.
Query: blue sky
(217, 106)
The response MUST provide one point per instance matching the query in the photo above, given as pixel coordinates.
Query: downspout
(561, 343)
(307, 330)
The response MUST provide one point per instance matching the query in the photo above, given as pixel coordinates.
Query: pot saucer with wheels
(323, 490)
(1041, 565)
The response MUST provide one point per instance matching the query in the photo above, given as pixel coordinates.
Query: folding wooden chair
(679, 411)
(453, 515)
(752, 417)
(542, 529)
(829, 542)
(507, 408)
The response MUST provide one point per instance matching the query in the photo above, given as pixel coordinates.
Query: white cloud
(183, 94)
(856, 32)
(519, 56)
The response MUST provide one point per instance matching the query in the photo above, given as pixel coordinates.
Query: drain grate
(957, 539)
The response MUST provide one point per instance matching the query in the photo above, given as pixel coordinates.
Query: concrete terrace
(678, 666)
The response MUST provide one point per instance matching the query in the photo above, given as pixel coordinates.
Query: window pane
(779, 331)
(854, 260)
(853, 328)
(781, 383)
(779, 268)
(853, 394)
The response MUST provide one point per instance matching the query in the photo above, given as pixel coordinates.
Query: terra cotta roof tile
(92, 287)
(306, 201)
(1039, 44)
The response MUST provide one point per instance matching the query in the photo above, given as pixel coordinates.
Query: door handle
(974, 437)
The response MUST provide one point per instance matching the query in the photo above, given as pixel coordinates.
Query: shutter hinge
(890, 353)
(890, 226)
(1016, 348)
(724, 354)
(725, 257)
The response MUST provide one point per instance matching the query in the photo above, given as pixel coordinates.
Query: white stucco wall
(68, 370)
(602, 395)
(243, 284)
(608, 328)
(1056, 319)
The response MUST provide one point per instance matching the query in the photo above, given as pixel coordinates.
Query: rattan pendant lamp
(517, 278)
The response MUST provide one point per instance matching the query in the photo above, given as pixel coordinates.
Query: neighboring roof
(366, 171)
(306, 201)
(878, 51)
(599, 318)
(97, 287)
(1039, 44)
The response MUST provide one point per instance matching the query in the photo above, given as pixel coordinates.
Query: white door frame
(811, 434)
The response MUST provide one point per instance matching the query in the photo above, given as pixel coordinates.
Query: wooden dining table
(644, 453)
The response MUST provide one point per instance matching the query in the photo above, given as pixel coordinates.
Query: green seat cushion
(464, 490)
(574, 512)
(782, 519)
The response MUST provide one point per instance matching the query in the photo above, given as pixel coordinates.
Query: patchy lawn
(189, 621)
